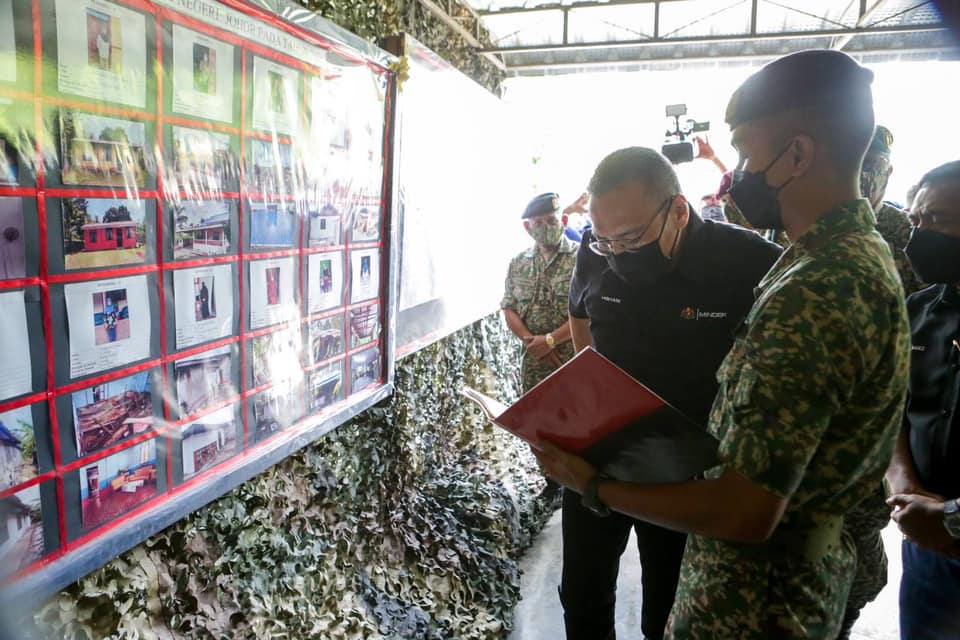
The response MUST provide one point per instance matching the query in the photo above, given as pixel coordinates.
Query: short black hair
(947, 172)
(635, 164)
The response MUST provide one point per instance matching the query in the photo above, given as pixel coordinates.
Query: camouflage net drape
(405, 523)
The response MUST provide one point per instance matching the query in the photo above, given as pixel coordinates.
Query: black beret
(818, 77)
(541, 205)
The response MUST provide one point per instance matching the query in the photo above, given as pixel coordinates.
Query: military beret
(818, 77)
(882, 140)
(541, 205)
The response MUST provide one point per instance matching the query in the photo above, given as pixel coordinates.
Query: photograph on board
(324, 226)
(276, 91)
(109, 323)
(18, 447)
(364, 275)
(103, 232)
(274, 410)
(364, 369)
(13, 257)
(203, 304)
(8, 43)
(365, 223)
(116, 484)
(326, 386)
(276, 357)
(203, 380)
(9, 163)
(21, 530)
(203, 75)
(272, 225)
(201, 229)
(364, 325)
(111, 412)
(203, 163)
(271, 292)
(102, 151)
(326, 338)
(208, 441)
(270, 168)
(15, 367)
(101, 51)
(325, 273)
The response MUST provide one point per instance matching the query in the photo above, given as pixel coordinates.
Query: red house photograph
(103, 232)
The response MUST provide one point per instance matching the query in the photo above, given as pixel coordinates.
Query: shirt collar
(690, 263)
(852, 217)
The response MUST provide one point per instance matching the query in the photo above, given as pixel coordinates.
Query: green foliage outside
(408, 522)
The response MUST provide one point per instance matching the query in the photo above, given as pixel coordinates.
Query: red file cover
(595, 409)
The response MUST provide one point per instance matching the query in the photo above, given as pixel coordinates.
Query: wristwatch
(549, 340)
(951, 518)
(591, 498)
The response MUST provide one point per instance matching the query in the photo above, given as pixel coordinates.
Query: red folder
(593, 408)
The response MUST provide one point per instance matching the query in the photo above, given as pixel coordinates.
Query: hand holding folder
(592, 408)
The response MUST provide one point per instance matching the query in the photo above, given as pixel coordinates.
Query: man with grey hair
(659, 291)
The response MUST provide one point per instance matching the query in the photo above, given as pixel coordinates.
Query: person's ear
(681, 209)
(800, 154)
(564, 219)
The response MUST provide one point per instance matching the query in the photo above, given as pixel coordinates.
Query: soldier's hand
(920, 519)
(538, 347)
(565, 468)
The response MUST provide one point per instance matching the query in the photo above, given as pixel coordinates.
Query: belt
(810, 544)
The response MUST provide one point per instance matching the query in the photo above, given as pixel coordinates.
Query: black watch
(591, 498)
(951, 518)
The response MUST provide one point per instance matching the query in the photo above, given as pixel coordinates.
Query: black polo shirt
(932, 405)
(672, 335)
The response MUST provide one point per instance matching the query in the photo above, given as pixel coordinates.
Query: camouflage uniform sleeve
(787, 384)
(509, 300)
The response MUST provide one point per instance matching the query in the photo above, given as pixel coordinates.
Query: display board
(463, 175)
(195, 263)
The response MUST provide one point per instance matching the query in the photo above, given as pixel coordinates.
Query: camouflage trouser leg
(864, 524)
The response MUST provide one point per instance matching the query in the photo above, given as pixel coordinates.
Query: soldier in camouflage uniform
(811, 394)
(535, 294)
(867, 520)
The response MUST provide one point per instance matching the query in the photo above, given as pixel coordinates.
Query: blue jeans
(929, 595)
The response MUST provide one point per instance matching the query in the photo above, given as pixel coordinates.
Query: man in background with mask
(535, 294)
(923, 474)
(811, 394)
(866, 521)
(658, 291)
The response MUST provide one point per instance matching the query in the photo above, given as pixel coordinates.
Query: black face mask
(757, 200)
(934, 256)
(647, 264)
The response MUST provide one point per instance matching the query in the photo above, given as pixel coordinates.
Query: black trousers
(592, 548)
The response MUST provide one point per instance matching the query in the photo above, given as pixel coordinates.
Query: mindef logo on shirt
(689, 313)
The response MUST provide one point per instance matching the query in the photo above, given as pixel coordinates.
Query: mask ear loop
(676, 238)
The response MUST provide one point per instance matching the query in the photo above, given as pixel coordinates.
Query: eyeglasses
(630, 244)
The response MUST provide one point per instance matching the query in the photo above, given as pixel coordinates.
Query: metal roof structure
(542, 37)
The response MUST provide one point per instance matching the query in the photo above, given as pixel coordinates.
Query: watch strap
(591, 496)
(951, 518)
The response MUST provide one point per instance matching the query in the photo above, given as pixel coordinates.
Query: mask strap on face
(773, 162)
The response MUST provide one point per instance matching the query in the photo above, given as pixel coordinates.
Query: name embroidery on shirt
(610, 299)
(918, 347)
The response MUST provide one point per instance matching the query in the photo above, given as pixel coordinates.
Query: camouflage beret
(882, 140)
(818, 77)
(541, 205)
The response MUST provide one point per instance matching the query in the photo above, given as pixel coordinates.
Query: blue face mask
(758, 201)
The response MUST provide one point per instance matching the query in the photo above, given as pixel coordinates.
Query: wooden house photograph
(102, 151)
(108, 413)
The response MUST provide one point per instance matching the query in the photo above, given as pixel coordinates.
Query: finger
(898, 500)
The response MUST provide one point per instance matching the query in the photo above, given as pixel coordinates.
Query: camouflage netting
(406, 523)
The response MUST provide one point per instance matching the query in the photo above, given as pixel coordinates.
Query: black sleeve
(580, 280)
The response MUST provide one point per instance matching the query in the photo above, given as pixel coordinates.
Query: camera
(678, 148)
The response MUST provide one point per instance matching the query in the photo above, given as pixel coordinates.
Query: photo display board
(195, 263)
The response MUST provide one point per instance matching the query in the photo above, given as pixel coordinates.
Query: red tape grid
(44, 279)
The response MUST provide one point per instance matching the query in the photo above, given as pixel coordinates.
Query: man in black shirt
(658, 291)
(924, 472)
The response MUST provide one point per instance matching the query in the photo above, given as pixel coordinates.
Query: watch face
(951, 518)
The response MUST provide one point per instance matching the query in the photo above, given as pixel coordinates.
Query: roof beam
(472, 40)
(628, 62)
(739, 37)
(841, 41)
(559, 6)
